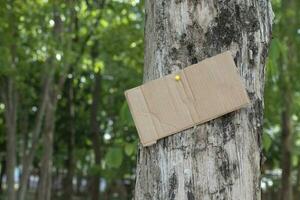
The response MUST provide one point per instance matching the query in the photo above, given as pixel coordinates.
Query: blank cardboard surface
(204, 91)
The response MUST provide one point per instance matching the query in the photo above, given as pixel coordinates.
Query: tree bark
(220, 159)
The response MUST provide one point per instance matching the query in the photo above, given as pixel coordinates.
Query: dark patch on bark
(194, 60)
(173, 53)
(258, 107)
(264, 53)
(164, 143)
(192, 53)
(228, 127)
(228, 171)
(255, 117)
(251, 95)
(249, 19)
(191, 49)
(253, 49)
(224, 169)
(190, 195)
(159, 24)
(173, 184)
(224, 31)
(188, 187)
(148, 196)
(221, 194)
(183, 38)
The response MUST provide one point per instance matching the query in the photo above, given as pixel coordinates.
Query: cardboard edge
(144, 143)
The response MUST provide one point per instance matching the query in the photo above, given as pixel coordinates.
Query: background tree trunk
(2, 172)
(220, 159)
(30, 153)
(96, 139)
(70, 163)
(286, 139)
(10, 113)
(285, 69)
(45, 181)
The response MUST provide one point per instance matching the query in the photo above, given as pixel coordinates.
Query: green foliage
(114, 157)
(130, 149)
(125, 116)
(267, 141)
(79, 40)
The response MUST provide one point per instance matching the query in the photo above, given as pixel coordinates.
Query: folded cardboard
(181, 100)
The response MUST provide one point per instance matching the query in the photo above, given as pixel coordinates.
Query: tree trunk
(2, 172)
(286, 128)
(29, 155)
(286, 159)
(286, 73)
(10, 112)
(96, 139)
(220, 159)
(68, 182)
(10, 124)
(45, 181)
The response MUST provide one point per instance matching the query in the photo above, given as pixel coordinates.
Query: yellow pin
(177, 78)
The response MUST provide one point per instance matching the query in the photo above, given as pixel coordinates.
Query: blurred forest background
(65, 129)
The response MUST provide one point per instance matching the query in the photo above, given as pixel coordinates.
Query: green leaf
(267, 141)
(125, 115)
(114, 157)
(129, 148)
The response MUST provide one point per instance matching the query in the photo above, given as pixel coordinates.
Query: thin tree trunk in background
(45, 181)
(24, 133)
(286, 131)
(286, 64)
(10, 113)
(96, 139)
(26, 167)
(286, 162)
(10, 124)
(68, 182)
(2, 172)
(220, 159)
(29, 154)
(297, 186)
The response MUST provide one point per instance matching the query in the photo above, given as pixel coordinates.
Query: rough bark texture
(220, 159)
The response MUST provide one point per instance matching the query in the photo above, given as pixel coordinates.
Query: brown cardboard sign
(192, 96)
